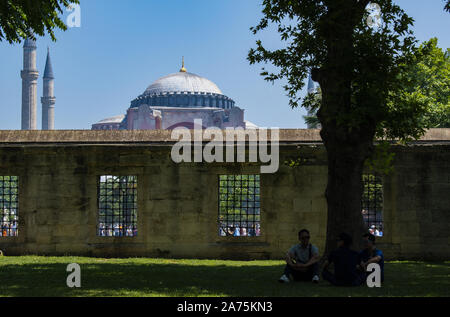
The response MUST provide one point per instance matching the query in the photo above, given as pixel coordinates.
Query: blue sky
(123, 46)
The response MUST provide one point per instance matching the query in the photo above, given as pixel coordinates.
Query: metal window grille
(372, 203)
(117, 203)
(9, 206)
(239, 205)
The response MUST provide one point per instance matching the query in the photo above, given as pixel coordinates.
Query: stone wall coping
(164, 136)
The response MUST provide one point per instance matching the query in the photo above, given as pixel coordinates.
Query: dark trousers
(302, 276)
(330, 277)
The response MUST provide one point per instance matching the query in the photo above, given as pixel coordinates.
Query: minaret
(48, 100)
(311, 88)
(29, 76)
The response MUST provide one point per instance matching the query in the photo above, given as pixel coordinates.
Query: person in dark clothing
(370, 254)
(345, 263)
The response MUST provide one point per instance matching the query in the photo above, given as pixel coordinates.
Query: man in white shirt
(302, 261)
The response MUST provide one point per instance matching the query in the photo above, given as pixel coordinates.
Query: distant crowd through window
(239, 205)
(9, 206)
(117, 203)
(372, 203)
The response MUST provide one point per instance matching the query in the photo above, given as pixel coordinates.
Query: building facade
(175, 101)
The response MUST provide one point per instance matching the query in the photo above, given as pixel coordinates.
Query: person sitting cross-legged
(345, 263)
(370, 254)
(302, 261)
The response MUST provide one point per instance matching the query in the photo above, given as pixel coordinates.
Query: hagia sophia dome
(184, 89)
(182, 81)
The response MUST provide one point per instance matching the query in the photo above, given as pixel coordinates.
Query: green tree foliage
(428, 78)
(21, 19)
(359, 69)
(312, 121)
(312, 103)
(430, 75)
(380, 57)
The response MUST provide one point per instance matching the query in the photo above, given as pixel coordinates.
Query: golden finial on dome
(183, 70)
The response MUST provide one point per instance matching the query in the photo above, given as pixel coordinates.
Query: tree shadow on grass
(157, 279)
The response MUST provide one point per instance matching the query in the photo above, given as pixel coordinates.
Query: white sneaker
(315, 279)
(284, 279)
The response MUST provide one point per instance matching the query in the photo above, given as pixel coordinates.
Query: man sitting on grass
(370, 254)
(302, 261)
(345, 263)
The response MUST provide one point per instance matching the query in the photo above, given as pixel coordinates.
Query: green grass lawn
(46, 276)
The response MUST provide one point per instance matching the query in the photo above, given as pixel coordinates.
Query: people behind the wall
(5, 230)
(376, 231)
(252, 231)
(302, 260)
(116, 230)
(9, 229)
(237, 231)
(240, 230)
(231, 231)
(14, 229)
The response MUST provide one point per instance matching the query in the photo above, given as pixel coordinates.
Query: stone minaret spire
(29, 76)
(311, 87)
(311, 90)
(48, 100)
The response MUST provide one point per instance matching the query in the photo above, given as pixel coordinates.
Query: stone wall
(178, 203)
(417, 203)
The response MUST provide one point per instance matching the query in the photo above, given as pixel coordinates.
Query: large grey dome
(182, 82)
(183, 90)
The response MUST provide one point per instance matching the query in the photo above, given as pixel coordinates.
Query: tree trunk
(344, 192)
(348, 146)
(347, 134)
